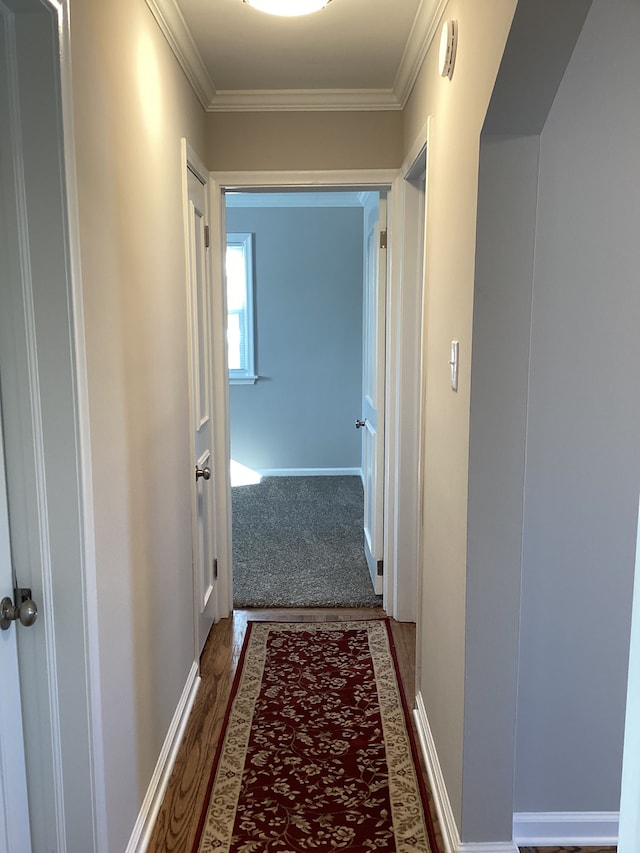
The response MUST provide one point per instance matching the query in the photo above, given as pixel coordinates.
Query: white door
(14, 811)
(373, 379)
(45, 483)
(199, 304)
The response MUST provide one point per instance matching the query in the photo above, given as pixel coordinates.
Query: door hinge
(380, 568)
(383, 239)
(206, 236)
(215, 568)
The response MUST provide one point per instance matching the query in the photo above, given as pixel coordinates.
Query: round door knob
(205, 473)
(28, 613)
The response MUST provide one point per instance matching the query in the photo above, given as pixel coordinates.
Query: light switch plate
(453, 365)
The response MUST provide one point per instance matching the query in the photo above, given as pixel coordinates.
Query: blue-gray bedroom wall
(308, 327)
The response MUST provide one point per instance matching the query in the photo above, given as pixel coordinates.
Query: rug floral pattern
(316, 754)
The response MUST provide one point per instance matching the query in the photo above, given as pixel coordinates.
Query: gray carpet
(298, 542)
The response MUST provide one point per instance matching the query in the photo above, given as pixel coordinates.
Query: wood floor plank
(568, 849)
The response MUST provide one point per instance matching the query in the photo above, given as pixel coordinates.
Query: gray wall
(554, 459)
(508, 187)
(583, 453)
(308, 302)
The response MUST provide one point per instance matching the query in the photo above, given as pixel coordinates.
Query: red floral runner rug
(317, 752)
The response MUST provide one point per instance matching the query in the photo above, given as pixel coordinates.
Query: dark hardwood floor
(183, 802)
(568, 850)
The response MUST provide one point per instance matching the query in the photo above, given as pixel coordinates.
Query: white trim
(295, 199)
(83, 437)
(143, 828)
(566, 829)
(367, 179)
(488, 847)
(243, 380)
(423, 32)
(403, 383)
(303, 100)
(309, 472)
(220, 390)
(174, 28)
(193, 163)
(360, 179)
(450, 834)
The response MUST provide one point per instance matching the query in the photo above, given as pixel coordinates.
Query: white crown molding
(423, 31)
(177, 33)
(303, 100)
(566, 829)
(319, 198)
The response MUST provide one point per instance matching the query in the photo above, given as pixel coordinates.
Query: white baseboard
(448, 826)
(309, 472)
(566, 829)
(143, 828)
(450, 833)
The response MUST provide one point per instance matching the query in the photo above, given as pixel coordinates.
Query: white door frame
(405, 366)
(396, 577)
(76, 748)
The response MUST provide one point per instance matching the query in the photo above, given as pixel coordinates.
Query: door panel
(203, 530)
(373, 378)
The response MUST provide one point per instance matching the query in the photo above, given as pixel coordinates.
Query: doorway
(297, 265)
(402, 369)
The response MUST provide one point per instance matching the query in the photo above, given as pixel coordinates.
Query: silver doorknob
(205, 473)
(25, 610)
(360, 424)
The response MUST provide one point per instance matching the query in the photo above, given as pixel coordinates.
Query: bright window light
(240, 321)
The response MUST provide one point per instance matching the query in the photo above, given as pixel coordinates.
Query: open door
(373, 379)
(50, 708)
(202, 470)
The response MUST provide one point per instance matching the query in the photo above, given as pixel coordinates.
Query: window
(240, 308)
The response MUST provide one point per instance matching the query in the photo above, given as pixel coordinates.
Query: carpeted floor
(298, 542)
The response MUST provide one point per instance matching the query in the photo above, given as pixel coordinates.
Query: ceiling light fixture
(288, 8)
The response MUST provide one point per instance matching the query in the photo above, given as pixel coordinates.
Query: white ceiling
(354, 54)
